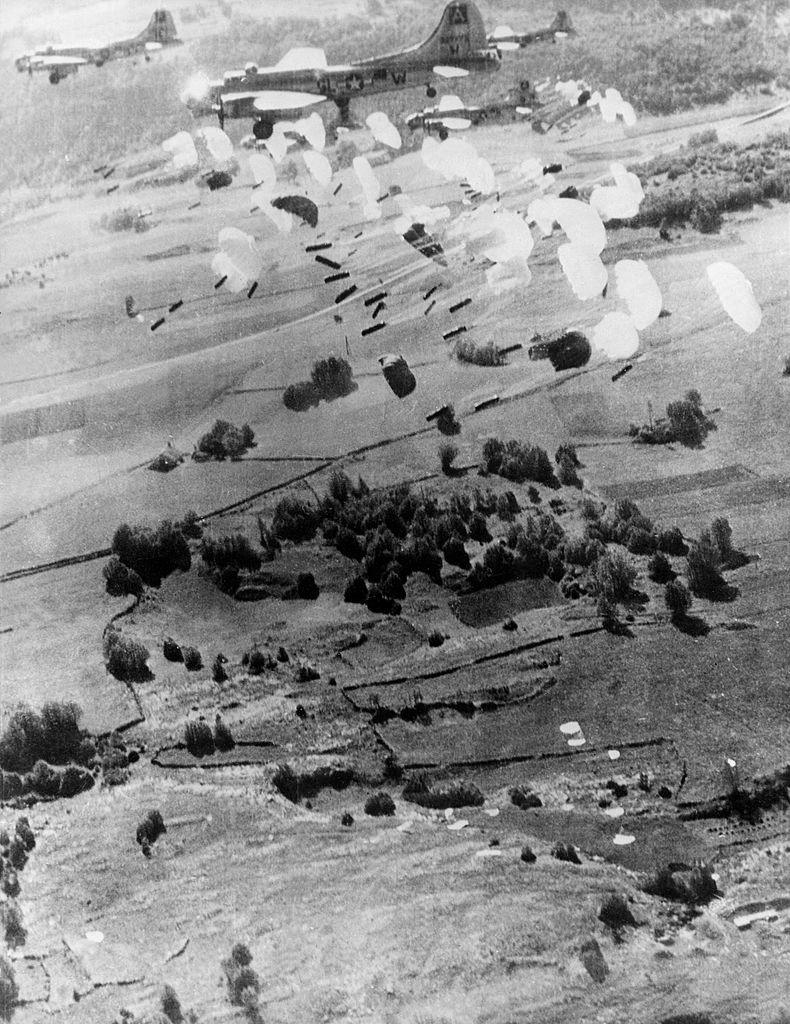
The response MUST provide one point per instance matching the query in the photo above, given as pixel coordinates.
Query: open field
(427, 916)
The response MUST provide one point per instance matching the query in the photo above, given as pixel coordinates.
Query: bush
(479, 355)
(703, 567)
(379, 603)
(392, 586)
(244, 985)
(12, 926)
(294, 520)
(286, 781)
(696, 886)
(218, 671)
(677, 598)
(53, 735)
(332, 378)
(565, 852)
(75, 780)
(152, 554)
(198, 738)
(120, 579)
(171, 650)
(257, 661)
(705, 215)
(447, 423)
(25, 833)
(356, 591)
(614, 576)
(190, 526)
(527, 855)
(455, 553)
(171, 1005)
(671, 542)
(660, 569)
(150, 828)
(641, 542)
(523, 797)
(347, 543)
(224, 440)
(448, 453)
(306, 586)
(125, 658)
(380, 805)
(721, 535)
(230, 552)
(478, 528)
(615, 912)
(458, 794)
(17, 851)
(435, 638)
(566, 473)
(518, 462)
(11, 886)
(9, 992)
(223, 737)
(301, 396)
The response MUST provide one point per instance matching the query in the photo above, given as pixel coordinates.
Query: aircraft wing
(275, 100)
(53, 60)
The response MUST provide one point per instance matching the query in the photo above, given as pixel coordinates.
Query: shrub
(607, 612)
(347, 543)
(518, 462)
(696, 886)
(306, 586)
(218, 671)
(152, 554)
(11, 886)
(379, 603)
(257, 661)
(478, 528)
(356, 591)
(224, 440)
(566, 473)
(392, 586)
(455, 553)
(660, 569)
(198, 738)
(301, 396)
(171, 1005)
(241, 955)
(9, 992)
(193, 660)
(614, 576)
(243, 982)
(671, 542)
(435, 638)
(347, 820)
(120, 579)
(448, 453)
(12, 925)
(677, 598)
(721, 535)
(503, 509)
(479, 355)
(705, 215)
(332, 378)
(286, 781)
(703, 566)
(527, 855)
(223, 737)
(458, 794)
(25, 833)
(641, 542)
(125, 658)
(615, 912)
(151, 828)
(230, 552)
(17, 851)
(125, 218)
(190, 526)
(523, 797)
(447, 423)
(171, 650)
(380, 805)
(74, 780)
(566, 852)
(294, 520)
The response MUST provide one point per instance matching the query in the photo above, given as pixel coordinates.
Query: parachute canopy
(217, 143)
(584, 270)
(620, 201)
(318, 166)
(616, 336)
(398, 375)
(383, 130)
(370, 188)
(636, 286)
(263, 172)
(735, 295)
(300, 206)
(182, 147)
(567, 352)
(238, 259)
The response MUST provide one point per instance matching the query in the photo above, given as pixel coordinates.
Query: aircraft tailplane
(459, 33)
(160, 29)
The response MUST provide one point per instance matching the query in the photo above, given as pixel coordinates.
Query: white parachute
(217, 143)
(369, 184)
(318, 166)
(239, 259)
(311, 129)
(182, 148)
(383, 130)
(637, 287)
(735, 295)
(620, 201)
(263, 172)
(616, 336)
(584, 269)
(612, 105)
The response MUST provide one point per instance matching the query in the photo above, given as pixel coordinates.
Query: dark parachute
(301, 206)
(398, 375)
(419, 238)
(566, 352)
(218, 179)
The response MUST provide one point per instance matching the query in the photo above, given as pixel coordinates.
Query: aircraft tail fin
(459, 33)
(562, 23)
(160, 29)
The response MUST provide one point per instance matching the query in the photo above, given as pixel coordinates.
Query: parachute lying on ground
(300, 206)
(383, 130)
(636, 286)
(567, 352)
(735, 295)
(398, 375)
(616, 336)
(182, 147)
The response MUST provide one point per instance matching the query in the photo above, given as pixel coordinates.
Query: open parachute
(398, 375)
(238, 259)
(299, 206)
(735, 295)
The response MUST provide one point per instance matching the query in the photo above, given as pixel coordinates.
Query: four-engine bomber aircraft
(504, 38)
(61, 61)
(303, 78)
